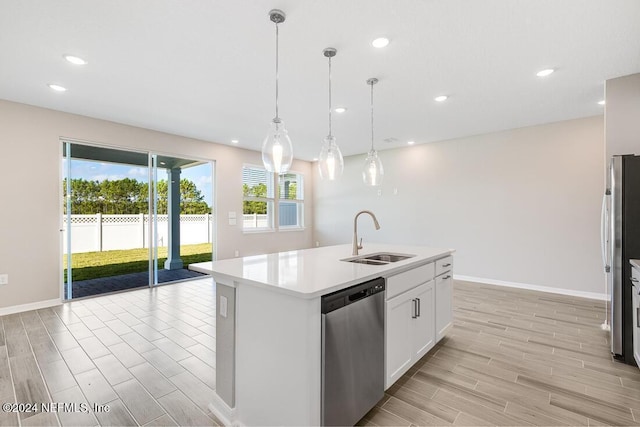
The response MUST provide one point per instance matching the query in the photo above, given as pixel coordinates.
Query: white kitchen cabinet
(399, 337)
(635, 277)
(418, 313)
(424, 337)
(410, 329)
(444, 296)
(636, 344)
(444, 304)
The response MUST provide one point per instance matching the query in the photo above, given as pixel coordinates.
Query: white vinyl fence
(93, 233)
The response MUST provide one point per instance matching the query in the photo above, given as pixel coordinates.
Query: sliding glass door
(132, 219)
(153, 219)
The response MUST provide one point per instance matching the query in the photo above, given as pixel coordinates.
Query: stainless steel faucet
(357, 246)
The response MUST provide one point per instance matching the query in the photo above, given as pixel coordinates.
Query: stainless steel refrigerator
(621, 242)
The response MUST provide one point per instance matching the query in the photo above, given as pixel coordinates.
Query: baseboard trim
(223, 412)
(31, 306)
(561, 291)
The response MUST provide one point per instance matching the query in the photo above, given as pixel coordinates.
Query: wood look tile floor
(148, 354)
(516, 357)
(513, 357)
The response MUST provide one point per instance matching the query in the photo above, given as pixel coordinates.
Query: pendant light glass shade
(330, 161)
(277, 150)
(373, 172)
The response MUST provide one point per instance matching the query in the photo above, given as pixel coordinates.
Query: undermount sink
(388, 257)
(366, 261)
(380, 258)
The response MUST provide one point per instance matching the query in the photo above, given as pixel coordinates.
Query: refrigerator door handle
(604, 238)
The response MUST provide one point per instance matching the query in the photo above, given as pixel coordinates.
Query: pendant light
(277, 151)
(373, 171)
(330, 163)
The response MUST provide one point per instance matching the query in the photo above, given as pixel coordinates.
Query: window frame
(299, 202)
(269, 200)
(273, 182)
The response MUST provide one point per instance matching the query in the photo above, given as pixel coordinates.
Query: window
(257, 205)
(291, 201)
(259, 199)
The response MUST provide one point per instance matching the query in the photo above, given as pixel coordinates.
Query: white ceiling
(205, 68)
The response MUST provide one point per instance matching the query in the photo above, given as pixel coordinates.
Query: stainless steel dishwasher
(352, 352)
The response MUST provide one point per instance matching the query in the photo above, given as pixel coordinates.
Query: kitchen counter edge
(384, 271)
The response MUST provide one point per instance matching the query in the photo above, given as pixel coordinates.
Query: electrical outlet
(4, 279)
(317, 244)
(223, 306)
(237, 253)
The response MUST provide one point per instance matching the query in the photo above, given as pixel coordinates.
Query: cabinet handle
(446, 265)
(638, 317)
(415, 308)
(418, 306)
(633, 279)
(446, 277)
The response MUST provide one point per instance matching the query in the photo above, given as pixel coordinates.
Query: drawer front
(409, 279)
(444, 304)
(443, 265)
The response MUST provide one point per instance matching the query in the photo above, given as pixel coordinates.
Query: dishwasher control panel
(351, 295)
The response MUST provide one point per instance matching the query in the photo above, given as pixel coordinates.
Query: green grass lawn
(91, 265)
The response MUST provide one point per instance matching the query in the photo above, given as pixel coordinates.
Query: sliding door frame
(151, 229)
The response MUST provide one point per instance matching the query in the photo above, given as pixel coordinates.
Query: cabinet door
(398, 345)
(635, 308)
(424, 330)
(444, 304)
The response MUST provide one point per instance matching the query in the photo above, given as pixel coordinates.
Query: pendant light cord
(371, 116)
(329, 96)
(277, 76)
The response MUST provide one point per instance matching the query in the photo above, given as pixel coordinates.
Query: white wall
(30, 193)
(622, 115)
(520, 206)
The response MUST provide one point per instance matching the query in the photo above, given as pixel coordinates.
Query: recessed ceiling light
(162, 163)
(601, 102)
(441, 98)
(57, 88)
(545, 73)
(411, 142)
(75, 60)
(380, 42)
(315, 159)
(234, 141)
(340, 109)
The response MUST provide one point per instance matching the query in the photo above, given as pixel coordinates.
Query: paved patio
(85, 288)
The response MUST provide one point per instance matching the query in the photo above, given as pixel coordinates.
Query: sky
(100, 171)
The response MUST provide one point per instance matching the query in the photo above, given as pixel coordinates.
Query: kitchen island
(268, 324)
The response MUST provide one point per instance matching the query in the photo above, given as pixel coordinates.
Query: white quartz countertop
(310, 273)
(635, 263)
